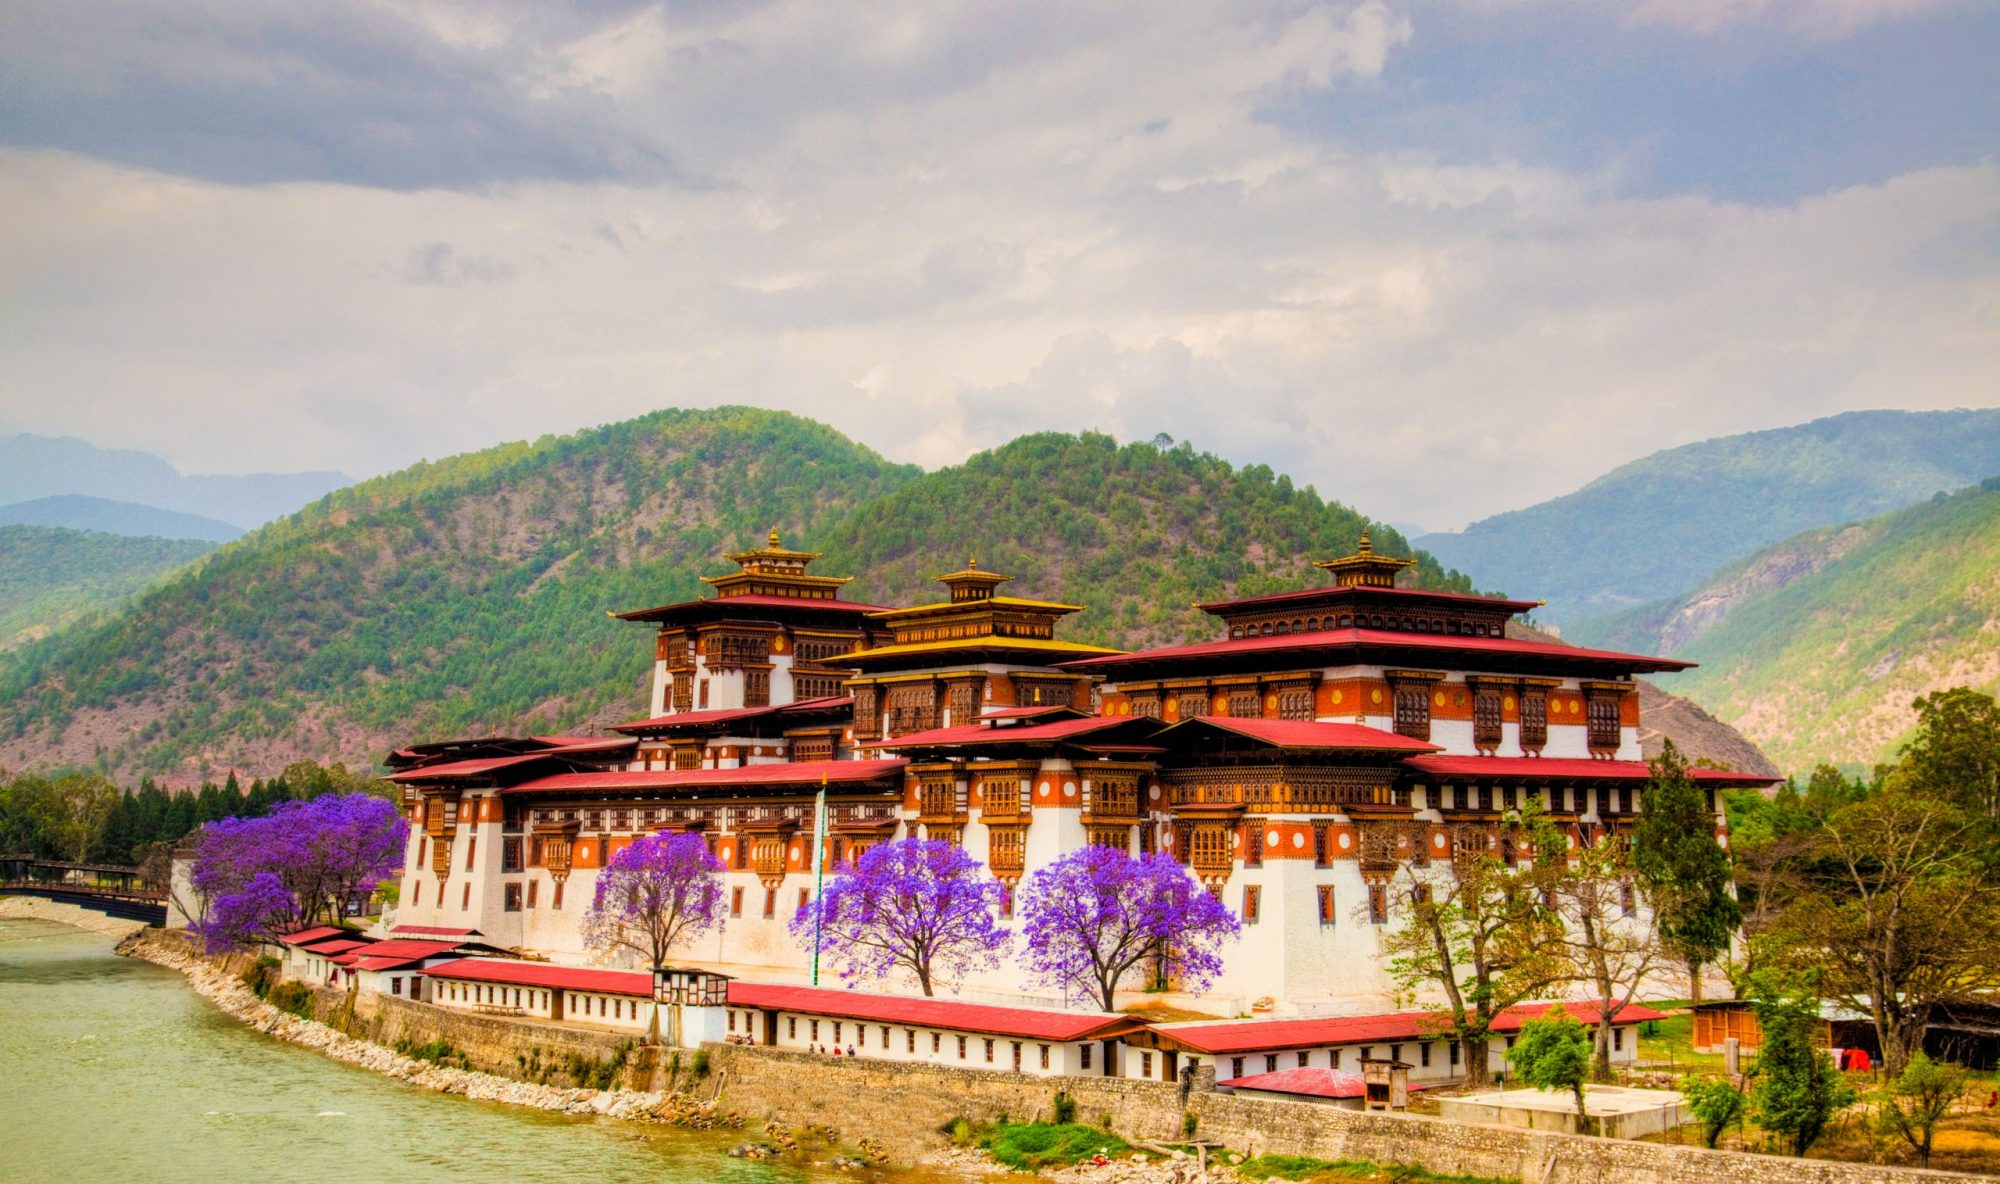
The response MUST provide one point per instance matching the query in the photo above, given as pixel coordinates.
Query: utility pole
(819, 868)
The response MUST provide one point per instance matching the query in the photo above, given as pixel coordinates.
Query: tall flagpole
(819, 869)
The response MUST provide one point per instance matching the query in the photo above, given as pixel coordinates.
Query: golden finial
(972, 563)
(774, 538)
(1367, 548)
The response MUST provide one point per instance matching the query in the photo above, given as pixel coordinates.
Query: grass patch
(1027, 1146)
(1350, 1171)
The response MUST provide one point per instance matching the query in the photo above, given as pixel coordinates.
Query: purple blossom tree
(1093, 915)
(919, 905)
(657, 893)
(297, 865)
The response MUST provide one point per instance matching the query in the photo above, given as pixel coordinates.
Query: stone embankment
(34, 908)
(214, 981)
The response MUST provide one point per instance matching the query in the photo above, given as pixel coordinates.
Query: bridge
(107, 888)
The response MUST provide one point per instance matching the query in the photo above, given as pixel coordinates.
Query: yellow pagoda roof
(963, 605)
(988, 642)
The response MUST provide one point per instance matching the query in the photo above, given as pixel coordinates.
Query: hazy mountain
(1815, 647)
(1659, 526)
(49, 577)
(33, 467)
(75, 511)
(470, 594)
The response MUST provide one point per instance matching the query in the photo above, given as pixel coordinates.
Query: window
(815, 1031)
(557, 902)
(805, 896)
(416, 893)
(1253, 843)
(532, 885)
(1617, 1039)
(395, 986)
(1336, 1058)
(732, 1021)
(1017, 1055)
(1236, 1066)
(1271, 1063)
(1045, 1054)
(1413, 712)
(1486, 717)
(471, 845)
(770, 903)
(1424, 1055)
(510, 854)
(885, 1037)
(513, 898)
(1628, 899)
(961, 1048)
(1454, 1050)
(861, 1035)
(1322, 846)
(1601, 714)
(465, 898)
(1145, 1064)
(1534, 718)
(836, 1031)
(1395, 1052)
(1305, 1060)
(791, 1027)
(736, 901)
(910, 1044)
(1083, 1056)
(1378, 904)
(989, 1052)
(1326, 913)
(1251, 893)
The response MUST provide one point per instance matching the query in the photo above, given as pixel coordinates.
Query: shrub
(1065, 1108)
(293, 997)
(1030, 1146)
(701, 1062)
(260, 976)
(1189, 1121)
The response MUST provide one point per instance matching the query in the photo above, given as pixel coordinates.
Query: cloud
(936, 227)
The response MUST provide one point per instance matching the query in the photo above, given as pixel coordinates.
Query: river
(112, 1070)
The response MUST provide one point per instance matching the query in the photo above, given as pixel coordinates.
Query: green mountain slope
(1659, 526)
(470, 594)
(1815, 648)
(75, 511)
(50, 576)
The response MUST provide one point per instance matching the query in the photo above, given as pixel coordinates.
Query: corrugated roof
(1581, 768)
(1332, 639)
(1232, 1036)
(317, 933)
(1034, 645)
(1349, 591)
(1031, 733)
(547, 974)
(777, 773)
(724, 715)
(1299, 733)
(752, 600)
(987, 1019)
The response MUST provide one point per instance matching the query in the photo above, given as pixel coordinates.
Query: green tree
(1684, 869)
(1798, 1090)
(1553, 1052)
(1612, 948)
(1955, 753)
(1715, 1103)
(1483, 933)
(1919, 1099)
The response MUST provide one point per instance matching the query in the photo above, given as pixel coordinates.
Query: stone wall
(491, 1044)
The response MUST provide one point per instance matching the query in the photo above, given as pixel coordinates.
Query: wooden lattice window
(1147, 705)
(963, 700)
(1295, 703)
(1209, 848)
(812, 748)
(1601, 712)
(1534, 719)
(865, 725)
(756, 688)
(1007, 849)
(1243, 703)
(1413, 712)
(683, 692)
(1322, 846)
(1486, 718)
(1253, 842)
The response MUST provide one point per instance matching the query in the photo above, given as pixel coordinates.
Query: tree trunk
(1694, 966)
(1475, 1064)
(1600, 1069)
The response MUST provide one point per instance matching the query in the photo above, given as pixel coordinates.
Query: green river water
(112, 1070)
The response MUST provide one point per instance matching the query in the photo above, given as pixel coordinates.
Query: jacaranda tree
(659, 892)
(922, 906)
(1092, 916)
(295, 866)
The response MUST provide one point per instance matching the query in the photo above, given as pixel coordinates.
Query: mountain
(49, 577)
(469, 594)
(34, 467)
(75, 511)
(1815, 647)
(1657, 527)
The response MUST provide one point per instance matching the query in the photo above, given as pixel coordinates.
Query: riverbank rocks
(213, 980)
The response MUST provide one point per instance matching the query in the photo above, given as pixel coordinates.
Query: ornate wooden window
(1327, 916)
(1193, 702)
(812, 748)
(1253, 842)
(939, 796)
(815, 686)
(1252, 895)
(510, 854)
(865, 725)
(912, 709)
(1378, 904)
(1413, 712)
(1534, 718)
(1601, 713)
(1116, 838)
(963, 700)
(683, 692)
(1114, 795)
(1295, 703)
(1146, 703)
(1322, 846)
(1244, 703)
(1486, 717)
(1007, 848)
(1209, 849)
(756, 688)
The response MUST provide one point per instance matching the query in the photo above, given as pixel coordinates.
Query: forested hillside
(1815, 648)
(469, 594)
(75, 511)
(1658, 527)
(50, 576)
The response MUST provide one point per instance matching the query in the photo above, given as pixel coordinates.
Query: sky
(1437, 258)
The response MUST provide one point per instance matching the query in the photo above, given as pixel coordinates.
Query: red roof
(317, 933)
(1299, 733)
(753, 600)
(340, 946)
(1024, 1022)
(434, 931)
(1261, 1035)
(777, 773)
(1334, 639)
(407, 948)
(1308, 1083)
(1580, 768)
(724, 715)
(1027, 712)
(466, 768)
(1030, 733)
(547, 974)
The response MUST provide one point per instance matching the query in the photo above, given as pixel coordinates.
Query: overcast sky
(1436, 258)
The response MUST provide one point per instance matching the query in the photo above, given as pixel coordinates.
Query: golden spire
(774, 538)
(1365, 568)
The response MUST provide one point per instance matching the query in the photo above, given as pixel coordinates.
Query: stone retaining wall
(491, 1044)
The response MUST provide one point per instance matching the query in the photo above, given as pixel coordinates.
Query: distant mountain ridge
(34, 467)
(75, 511)
(1659, 526)
(50, 577)
(1816, 646)
(470, 594)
